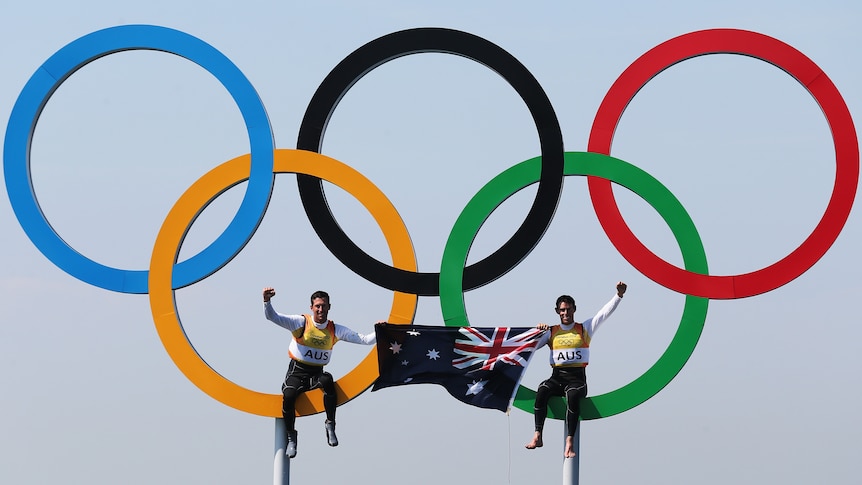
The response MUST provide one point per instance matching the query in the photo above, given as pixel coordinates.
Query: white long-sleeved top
(294, 322)
(591, 325)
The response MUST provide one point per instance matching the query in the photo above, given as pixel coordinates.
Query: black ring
(413, 41)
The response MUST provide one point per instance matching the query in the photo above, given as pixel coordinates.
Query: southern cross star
(475, 387)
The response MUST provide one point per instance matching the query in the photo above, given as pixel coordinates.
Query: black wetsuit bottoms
(301, 378)
(570, 382)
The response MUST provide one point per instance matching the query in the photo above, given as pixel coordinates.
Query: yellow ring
(166, 251)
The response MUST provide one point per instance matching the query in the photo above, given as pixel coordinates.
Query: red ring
(773, 51)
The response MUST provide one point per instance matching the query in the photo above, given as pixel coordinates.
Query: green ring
(648, 188)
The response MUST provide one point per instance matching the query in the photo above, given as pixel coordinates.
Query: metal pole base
(280, 462)
(571, 466)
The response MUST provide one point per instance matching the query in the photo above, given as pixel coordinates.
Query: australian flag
(478, 366)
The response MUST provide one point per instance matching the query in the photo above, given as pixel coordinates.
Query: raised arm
(593, 324)
(290, 322)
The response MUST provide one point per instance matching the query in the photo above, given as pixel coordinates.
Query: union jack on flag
(486, 347)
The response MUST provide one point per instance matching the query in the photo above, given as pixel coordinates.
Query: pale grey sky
(769, 395)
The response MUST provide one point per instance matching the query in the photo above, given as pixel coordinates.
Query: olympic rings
(403, 43)
(167, 247)
(165, 274)
(652, 191)
(806, 73)
(64, 63)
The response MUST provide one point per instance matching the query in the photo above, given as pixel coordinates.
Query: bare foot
(535, 443)
(570, 448)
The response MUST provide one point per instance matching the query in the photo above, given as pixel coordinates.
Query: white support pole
(280, 462)
(571, 466)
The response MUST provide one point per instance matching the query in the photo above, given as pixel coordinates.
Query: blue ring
(64, 63)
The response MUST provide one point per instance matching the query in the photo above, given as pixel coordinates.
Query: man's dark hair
(565, 298)
(319, 294)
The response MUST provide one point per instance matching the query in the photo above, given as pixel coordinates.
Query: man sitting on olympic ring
(570, 353)
(310, 349)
